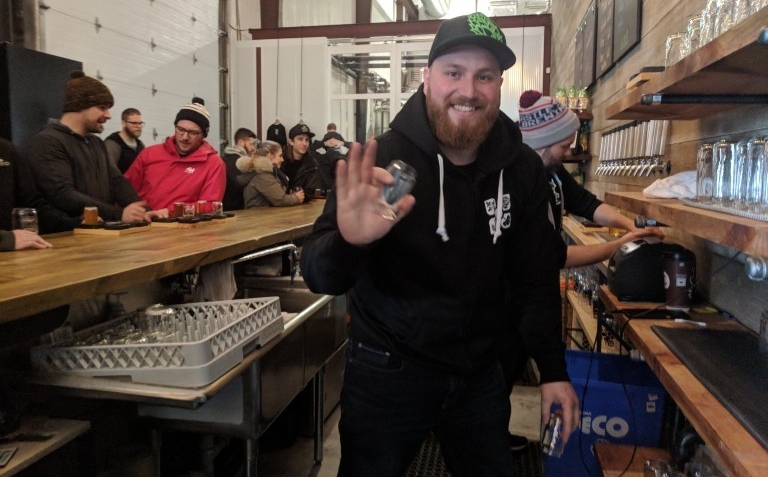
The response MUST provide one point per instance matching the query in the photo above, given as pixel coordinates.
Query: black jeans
(389, 406)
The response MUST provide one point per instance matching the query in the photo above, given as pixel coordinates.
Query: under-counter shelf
(622, 460)
(731, 64)
(748, 235)
(582, 312)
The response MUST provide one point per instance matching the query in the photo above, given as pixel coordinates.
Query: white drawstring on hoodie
(441, 230)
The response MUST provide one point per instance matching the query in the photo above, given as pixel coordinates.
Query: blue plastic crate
(607, 414)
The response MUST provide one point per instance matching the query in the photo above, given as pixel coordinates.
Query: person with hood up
(184, 168)
(268, 185)
(431, 283)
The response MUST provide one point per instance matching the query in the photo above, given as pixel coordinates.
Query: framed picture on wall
(588, 45)
(604, 44)
(578, 60)
(627, 18)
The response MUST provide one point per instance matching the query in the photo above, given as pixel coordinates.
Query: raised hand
(359, 197)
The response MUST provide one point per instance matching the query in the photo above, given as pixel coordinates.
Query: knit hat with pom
(195, 112)
(81, 92)
(544, 121)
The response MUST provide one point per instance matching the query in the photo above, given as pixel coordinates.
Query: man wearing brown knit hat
(70, 163)
(184, 168)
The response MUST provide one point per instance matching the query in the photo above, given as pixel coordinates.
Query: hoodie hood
(493, 156)
(257, 164)
(235, 149)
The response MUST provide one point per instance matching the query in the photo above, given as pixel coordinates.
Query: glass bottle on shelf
(561, 96)
(573, 98)
(583, 137)
(583, 100)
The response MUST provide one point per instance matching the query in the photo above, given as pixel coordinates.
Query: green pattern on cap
(479, 24)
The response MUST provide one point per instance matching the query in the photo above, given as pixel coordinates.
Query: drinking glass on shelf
(673, 49)
(739, 176)
(707, 23)
(723, 16)
(757, 165)
(692, 35)
(704, 174)
(722, 162)
(741, 10)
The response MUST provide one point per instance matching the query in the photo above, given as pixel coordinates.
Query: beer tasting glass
(25, 218)
(404, 179)
(189, 210)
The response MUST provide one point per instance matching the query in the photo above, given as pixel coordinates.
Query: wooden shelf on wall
(748, 235)
(731, 64)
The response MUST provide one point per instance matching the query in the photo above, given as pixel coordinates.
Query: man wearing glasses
(123, 146)
(184, 168)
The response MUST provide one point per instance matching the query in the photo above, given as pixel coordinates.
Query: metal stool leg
(251, 457)
(318, 390)
(157, 443)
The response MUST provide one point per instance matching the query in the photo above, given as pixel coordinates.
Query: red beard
(467, 135)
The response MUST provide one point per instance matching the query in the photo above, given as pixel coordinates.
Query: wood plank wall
(726, 284)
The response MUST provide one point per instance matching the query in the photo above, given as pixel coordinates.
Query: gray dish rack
(211, 338)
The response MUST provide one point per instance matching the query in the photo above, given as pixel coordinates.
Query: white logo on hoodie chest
(490, 209)
(189, 170)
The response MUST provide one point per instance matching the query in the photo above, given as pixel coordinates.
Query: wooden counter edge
(63, 430)
(737, 450)
(613, 458)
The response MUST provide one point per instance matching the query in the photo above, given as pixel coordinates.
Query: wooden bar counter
(80, 267)
(740, 453)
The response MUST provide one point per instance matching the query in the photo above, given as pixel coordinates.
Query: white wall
(120, 52)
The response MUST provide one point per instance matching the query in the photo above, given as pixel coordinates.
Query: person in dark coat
(12, 173)
(70, 163)
(123, 146)
(245, 145)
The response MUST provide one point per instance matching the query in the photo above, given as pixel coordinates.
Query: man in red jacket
(184, 168)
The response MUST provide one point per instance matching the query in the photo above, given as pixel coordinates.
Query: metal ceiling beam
(410, 9)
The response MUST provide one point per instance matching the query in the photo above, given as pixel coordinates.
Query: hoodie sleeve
(7, 241)
(578, 200)
(535, 283)
(329, 264)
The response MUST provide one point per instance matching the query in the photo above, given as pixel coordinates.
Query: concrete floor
(298, 460)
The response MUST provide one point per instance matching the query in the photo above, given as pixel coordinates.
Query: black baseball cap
(298, 129)
(473, 29)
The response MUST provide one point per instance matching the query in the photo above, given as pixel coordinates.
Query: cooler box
(609, 414)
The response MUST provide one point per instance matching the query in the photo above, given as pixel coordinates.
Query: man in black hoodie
(431, 282)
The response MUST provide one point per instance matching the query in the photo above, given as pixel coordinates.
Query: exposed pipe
(662, 98)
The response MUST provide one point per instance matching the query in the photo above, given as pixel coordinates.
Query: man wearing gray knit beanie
(184, 168)
(550, 128)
